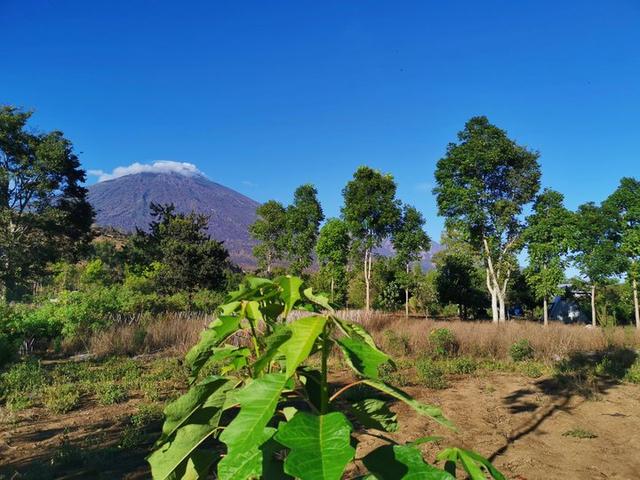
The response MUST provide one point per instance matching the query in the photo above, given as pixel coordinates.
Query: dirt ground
(515, 421)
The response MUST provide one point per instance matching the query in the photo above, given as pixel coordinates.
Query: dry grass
(484, 339)
(174, 333)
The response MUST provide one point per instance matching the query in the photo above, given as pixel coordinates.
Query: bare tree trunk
(332, 287)
(545, 312)
(494, 298)
(502, 308)
(593, 305)
(367, 278)
(636, 307)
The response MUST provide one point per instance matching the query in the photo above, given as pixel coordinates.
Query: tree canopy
(44, 214)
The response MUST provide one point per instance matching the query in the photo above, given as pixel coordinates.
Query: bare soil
(519, 423)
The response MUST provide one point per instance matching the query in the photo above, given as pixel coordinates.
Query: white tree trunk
(406, 296)
(502, 307)
(367, 279)
(636, 307)
(593, 305)
(494, 298)
(545, 312)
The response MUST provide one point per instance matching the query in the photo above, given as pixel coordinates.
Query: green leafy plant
(521, 350)
(443, 342)
(272, 413)
(109, 393)
(62, 398)
(431, 374)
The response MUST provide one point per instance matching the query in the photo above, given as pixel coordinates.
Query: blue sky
(264, 96)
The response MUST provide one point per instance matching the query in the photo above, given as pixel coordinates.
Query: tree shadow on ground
(582, 375)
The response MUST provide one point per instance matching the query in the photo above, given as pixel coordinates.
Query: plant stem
(344, 389)
(324, 387)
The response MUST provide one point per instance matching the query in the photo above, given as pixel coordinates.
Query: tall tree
(624, 205)
(548, 239)
(270, 229)
(333, 251)
(371, 211)
(304, 216)
(483, 182)
(409, 240)
(191, 259)
(595, 251)
(44, 214)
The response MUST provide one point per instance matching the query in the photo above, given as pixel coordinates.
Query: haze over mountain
(123, 203)
(122, 200)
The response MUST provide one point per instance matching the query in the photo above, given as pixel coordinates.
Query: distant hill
(123, 203)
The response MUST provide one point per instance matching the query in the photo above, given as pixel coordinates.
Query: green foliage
(443, 342)
(431, 374)
(483, 183)
(462, 366)
(44, 213)
(22, 384)
(62, 398)
(333, 254)
(579, 433)
(521, 350)
(275, 414)
(109, 393)
(270, 231)
(303, 221)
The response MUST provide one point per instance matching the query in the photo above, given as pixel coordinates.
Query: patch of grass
(579, 433)
(61, 398)
(521, 350)
(124, 370)
(135, 432)
(71, 372)
(22, 384)
(633, 373)
(397, 344)
(431, 374)
(109, 393)
(462, 366)
(443, 342)
(531, 369)
(393, 376)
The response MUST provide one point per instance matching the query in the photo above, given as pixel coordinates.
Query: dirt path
(516, 421)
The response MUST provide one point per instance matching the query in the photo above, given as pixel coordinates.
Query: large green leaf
(179, 411)
(304, 332)
(252, 311)
(258, 401)
(186, 434)
(472, 463)
(218, 332)
(374, 413)
(430, 411)
(312, 381)
(362, 357)
(318, 299)
(272, 347)
(197, 466)
(320, 445)
(355, 330)
(246, 463)
(391, 462)
(290, 291)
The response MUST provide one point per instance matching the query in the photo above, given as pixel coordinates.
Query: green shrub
(633, 373)
(62, 398)
(443, 342)
(579, 433)
(531, 369)
(431, 374)
(8, 349)
(521, 350)
(397, 344)
(390, 374)
(109, 393)
(135, 432)
(462, 366)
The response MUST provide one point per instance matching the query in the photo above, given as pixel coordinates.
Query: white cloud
(159, 166)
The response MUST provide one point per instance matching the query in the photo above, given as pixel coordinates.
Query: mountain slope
(123, 203)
